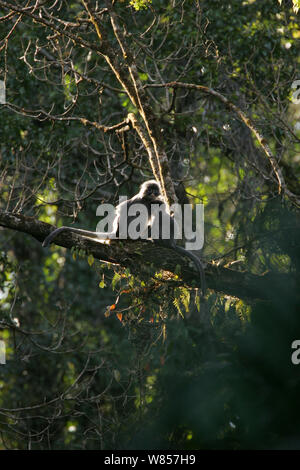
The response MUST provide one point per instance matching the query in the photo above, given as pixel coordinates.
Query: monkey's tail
(84, 233)
(52, 235)
(198, 264)
(49, 239)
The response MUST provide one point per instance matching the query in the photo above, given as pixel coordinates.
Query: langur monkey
(149, 195)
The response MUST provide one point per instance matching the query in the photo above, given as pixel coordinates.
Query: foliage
(140, 4)
(99, 356)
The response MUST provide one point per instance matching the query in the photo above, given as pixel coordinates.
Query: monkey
(148, 198)
(148, 194)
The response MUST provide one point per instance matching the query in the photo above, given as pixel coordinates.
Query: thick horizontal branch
(131, 253)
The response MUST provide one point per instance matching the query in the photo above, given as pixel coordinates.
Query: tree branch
(249, 123)
(129, 253)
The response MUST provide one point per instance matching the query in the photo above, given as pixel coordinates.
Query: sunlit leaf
(119, 316)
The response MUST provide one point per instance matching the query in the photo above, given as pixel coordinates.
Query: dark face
(152, 191)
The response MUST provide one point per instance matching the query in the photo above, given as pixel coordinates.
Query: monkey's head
(150, 190)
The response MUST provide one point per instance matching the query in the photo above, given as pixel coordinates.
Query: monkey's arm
(85, 233)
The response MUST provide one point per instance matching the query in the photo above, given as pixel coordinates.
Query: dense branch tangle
(127, 74)
(282, 187)
(134, 88)
(131, 84)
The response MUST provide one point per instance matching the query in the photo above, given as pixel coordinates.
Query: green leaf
(176, 302)
(91, 260)
(117, 375)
